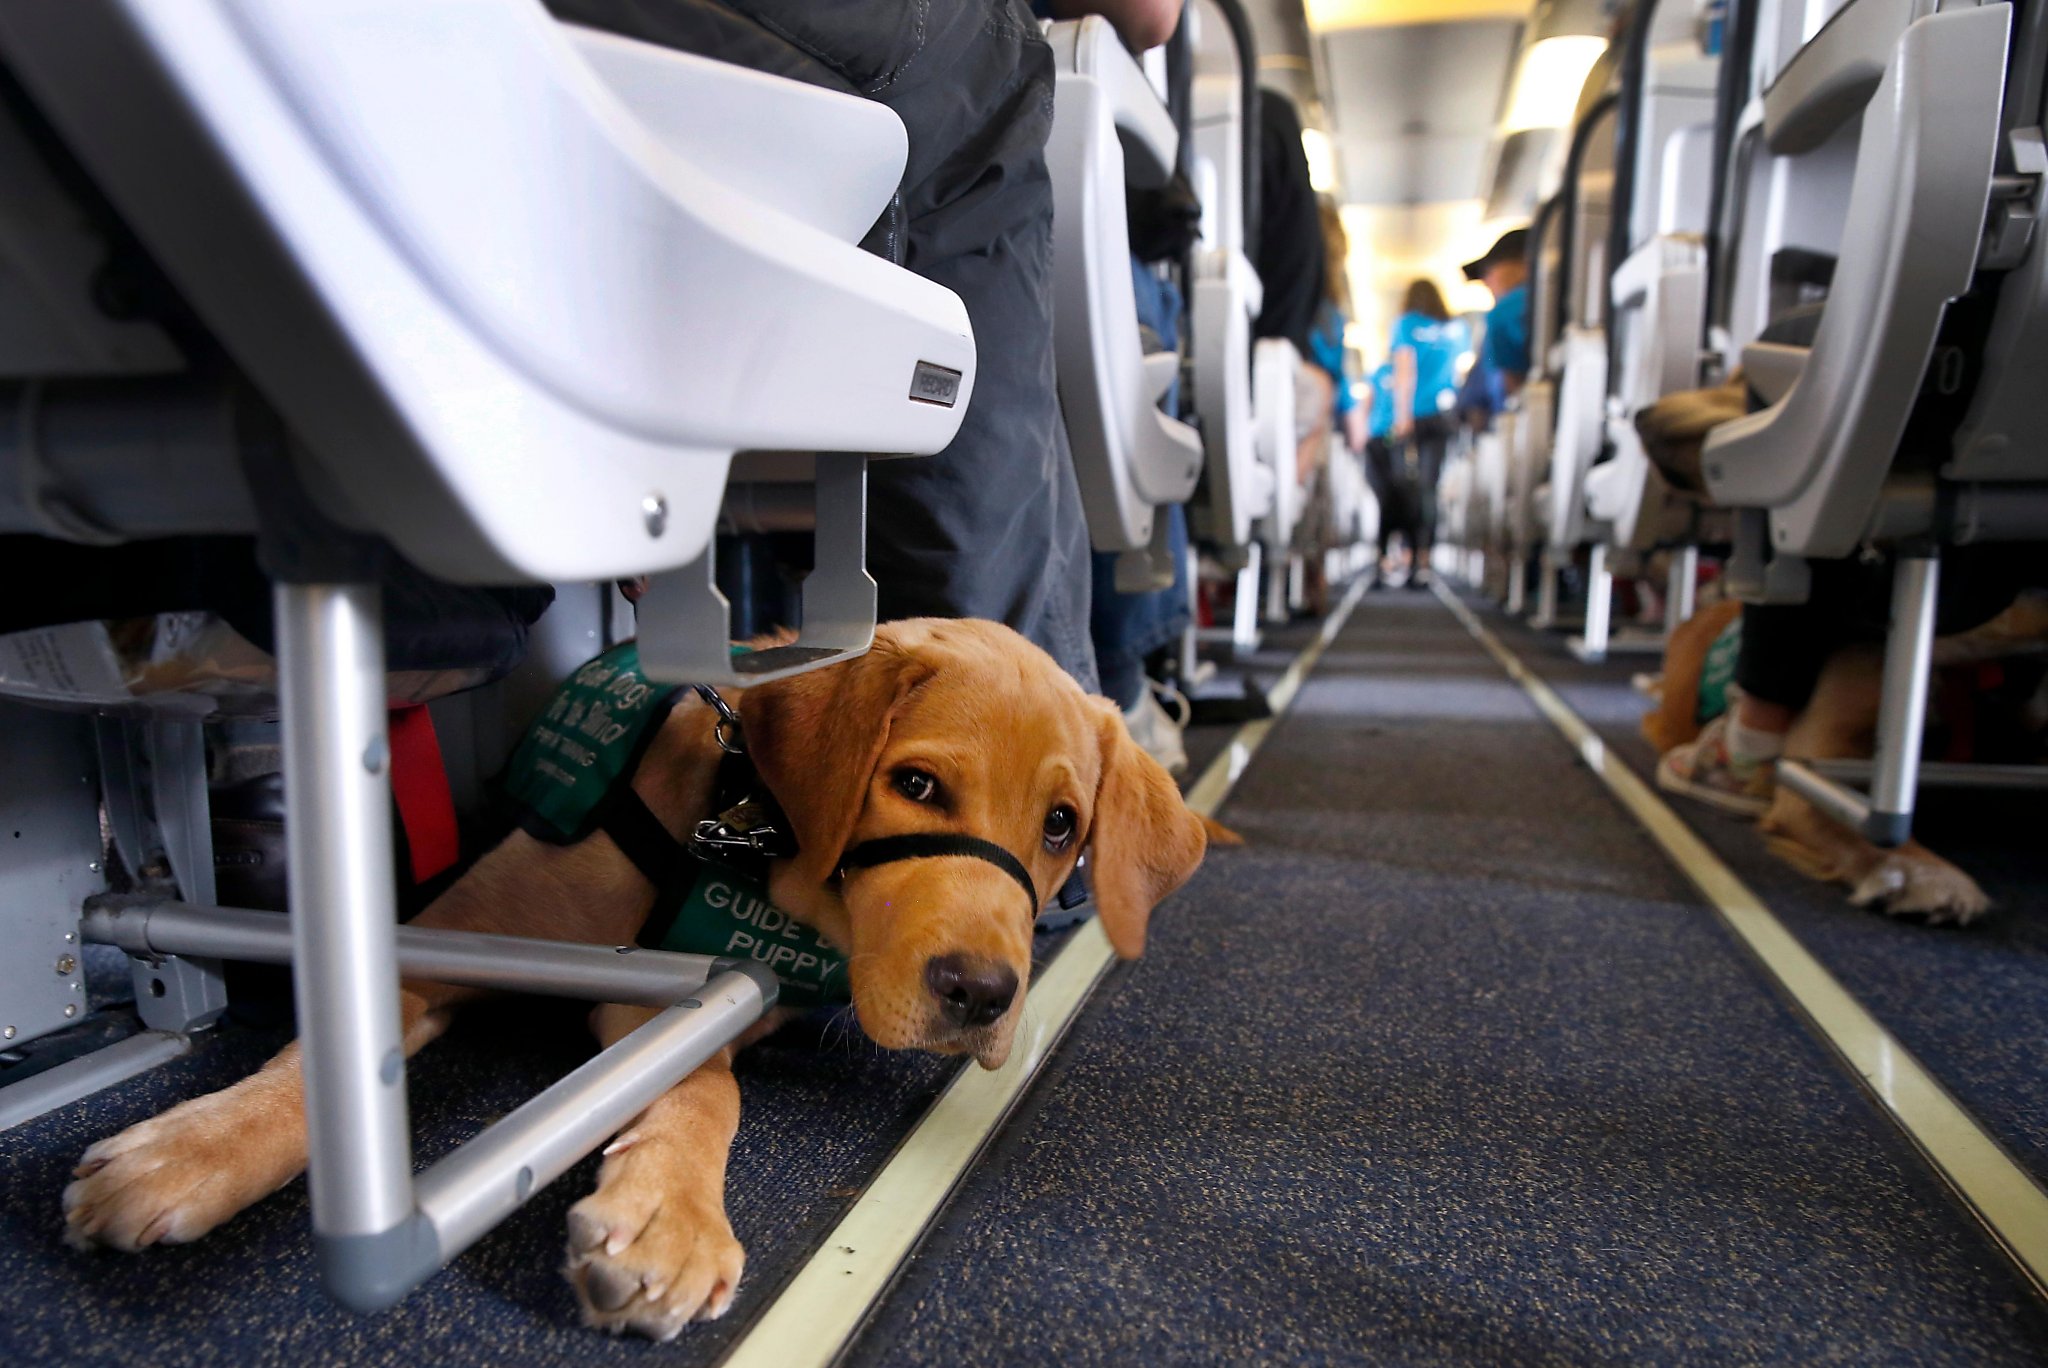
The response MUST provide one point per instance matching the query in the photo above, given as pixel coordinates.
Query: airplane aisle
(1449, 1063)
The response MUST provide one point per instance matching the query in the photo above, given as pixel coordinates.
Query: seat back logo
(930, 384)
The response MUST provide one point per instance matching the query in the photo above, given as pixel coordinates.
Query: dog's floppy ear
(815, 739)
(1144, 842)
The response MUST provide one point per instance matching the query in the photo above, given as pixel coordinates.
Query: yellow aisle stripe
(821, 1309)
(2002, 1195)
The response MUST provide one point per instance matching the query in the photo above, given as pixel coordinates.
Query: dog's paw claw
(648, 1260)
(167, 1180)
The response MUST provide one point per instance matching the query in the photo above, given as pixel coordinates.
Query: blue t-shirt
(1380, 421)
(1437, 346)
(1326, 349)
(1507, 333)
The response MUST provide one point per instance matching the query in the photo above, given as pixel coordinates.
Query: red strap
(420, 784)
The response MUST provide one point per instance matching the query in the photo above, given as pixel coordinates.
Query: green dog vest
(582, 749)
(1717, 672)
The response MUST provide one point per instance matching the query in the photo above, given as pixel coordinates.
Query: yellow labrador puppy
(944, 727)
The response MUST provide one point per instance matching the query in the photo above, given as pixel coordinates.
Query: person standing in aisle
(1424, 351)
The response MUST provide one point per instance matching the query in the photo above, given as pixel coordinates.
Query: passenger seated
(1325, 401)
(1129, 628)
(1785, 648)
(1504, 270)
(1291, 250)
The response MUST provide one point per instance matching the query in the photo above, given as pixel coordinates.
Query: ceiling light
(1326, 16)
(1322, 160)
(1548, 81)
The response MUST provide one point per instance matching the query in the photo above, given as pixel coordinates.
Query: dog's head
(963, 728)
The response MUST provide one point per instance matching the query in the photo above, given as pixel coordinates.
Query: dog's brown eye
(916, 785)
(1059, 828)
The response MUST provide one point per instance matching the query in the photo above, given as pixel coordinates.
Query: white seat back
(1658, 289)
(1276, 366)
(1110, 131)
(1226, 292)
(517, 292)
(1578, 360)
(1581, 427)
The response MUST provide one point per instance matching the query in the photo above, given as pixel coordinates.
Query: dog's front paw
(1920, 883)
(174, 1177)
(649, 1251)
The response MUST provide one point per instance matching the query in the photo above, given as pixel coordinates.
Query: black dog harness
(572, 775)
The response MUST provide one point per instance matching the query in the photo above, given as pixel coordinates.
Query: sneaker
(1704, 770)
(1156, 733)
(1176, 703)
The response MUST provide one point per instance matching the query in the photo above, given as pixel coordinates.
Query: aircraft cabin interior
(763, 684)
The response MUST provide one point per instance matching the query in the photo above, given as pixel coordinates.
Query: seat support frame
(380, 1231)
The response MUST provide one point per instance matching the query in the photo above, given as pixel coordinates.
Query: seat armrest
(1090, 49)
(814, 154)
(1221, 306)
(1834, 74)
(1771, 368)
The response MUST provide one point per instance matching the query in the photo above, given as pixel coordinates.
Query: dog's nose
(971, 991)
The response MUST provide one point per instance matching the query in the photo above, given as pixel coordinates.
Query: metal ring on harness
(926, 845)
(727, 731)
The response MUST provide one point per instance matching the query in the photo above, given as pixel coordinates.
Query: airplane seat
(1355, 512)
(1276, 366)
(1580, 353)
(1226, 293)
(1657, 288)
(1900, 427)
(1487, 520)
(1536, 428)
(1809, 470)
(1110, 130)
(1656, 300)
(304, 277)
(1527, 442)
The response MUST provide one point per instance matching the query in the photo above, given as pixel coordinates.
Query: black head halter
(927, 845)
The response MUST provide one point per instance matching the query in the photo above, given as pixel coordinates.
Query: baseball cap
(1513, 245)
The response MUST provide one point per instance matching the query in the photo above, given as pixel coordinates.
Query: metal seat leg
(1902, 713)
(1885, 817)
(378, 1232)
(1681, 588)
(1547, 571)
(1244, 617)
(1592, 645)
(331, 686)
